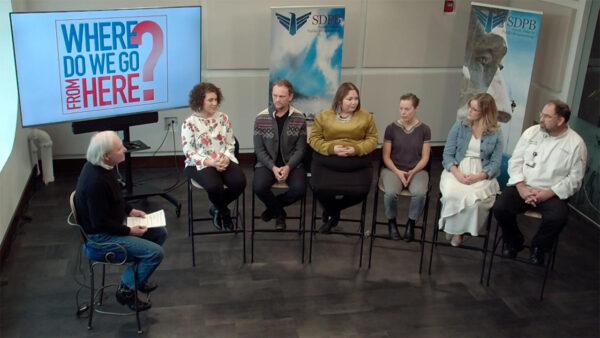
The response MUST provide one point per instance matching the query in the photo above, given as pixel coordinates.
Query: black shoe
(226, 219)
(409, 231)
(324, 217)
(126, 296)
(147, 286)
(266, 215)
(511, 250)
(537, 256)
(393, 230)
(331, 223)
(217, 222)
(280, 222)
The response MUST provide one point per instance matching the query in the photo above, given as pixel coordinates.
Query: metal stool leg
(312, 227)
(424, 229)
(92, 294)
(373, 223)
(244, 223)
(493, 253)
(434, 236)
(252, 229)
(363, 217)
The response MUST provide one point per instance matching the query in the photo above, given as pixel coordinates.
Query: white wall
(15, 171)
(390, 47)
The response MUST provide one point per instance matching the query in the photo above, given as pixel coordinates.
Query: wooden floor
(277, 296)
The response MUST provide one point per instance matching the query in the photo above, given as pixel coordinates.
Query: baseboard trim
(16, 218)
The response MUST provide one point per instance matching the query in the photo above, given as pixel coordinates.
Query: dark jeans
(222, 187)
(340, 182)
(554, 217)
(264, 179)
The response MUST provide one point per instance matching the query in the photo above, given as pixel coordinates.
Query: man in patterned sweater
(279, 145)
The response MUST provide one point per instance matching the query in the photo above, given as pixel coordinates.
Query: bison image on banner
(499, 56)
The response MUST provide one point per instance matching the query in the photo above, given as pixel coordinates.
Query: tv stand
(123, 123)
(141, 190)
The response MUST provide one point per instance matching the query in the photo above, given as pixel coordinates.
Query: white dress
(466, 207)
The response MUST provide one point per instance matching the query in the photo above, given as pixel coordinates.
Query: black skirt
(341, 175)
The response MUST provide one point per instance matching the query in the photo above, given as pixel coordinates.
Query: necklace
(344, 119)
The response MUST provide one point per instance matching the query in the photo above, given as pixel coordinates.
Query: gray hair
(100, 144)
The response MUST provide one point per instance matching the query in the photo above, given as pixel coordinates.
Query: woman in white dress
(471, 160)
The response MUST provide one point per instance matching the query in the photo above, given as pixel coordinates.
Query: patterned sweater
(204, 137)
(359, 132)
(267, 140)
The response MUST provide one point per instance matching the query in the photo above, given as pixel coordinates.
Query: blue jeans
(147, 250)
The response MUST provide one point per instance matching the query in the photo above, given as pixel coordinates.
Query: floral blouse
(204, 137)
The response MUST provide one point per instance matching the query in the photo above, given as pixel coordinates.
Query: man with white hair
(102, 211)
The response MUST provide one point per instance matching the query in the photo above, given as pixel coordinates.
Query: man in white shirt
(546, 168)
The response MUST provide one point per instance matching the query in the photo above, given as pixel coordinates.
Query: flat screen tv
(94, 64)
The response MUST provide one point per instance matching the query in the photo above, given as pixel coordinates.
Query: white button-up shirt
(547, 162)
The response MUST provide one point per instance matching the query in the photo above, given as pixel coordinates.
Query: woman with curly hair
(208, 144)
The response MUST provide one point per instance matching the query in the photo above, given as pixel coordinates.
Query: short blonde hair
(100, 144)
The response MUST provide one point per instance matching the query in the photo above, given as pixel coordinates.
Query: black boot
(537, 255)
(217, 223)
(226, 219)
(332, 222)
(409, 231)
(126, 296)
(280, 220)
(393, 230)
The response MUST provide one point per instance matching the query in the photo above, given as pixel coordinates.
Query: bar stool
(483, 248)
(301, 221)
(235, 216)
(115, 255)
(405, 193)
(360, 233)
(549, 263)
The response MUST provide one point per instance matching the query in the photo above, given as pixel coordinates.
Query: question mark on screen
(157, 47)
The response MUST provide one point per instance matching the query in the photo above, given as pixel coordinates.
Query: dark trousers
(222, 187)
(554, 217)
(340, 182)
(264, 179)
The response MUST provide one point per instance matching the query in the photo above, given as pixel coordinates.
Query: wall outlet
(171, 121)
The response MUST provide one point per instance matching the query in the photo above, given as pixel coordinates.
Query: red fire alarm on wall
(448, 6)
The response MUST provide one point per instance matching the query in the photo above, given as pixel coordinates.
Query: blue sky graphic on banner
(306, 49)
(500, 51)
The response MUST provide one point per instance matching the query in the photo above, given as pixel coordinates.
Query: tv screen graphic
(90, 64)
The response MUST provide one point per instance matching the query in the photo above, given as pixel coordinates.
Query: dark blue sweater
(99, 202)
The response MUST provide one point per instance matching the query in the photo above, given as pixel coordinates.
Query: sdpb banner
(306, 49)
(501, 44)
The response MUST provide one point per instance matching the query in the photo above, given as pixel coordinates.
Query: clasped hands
(344, 151)
(220, 163)
(281, 173)
(533, 196)
(468, 179)
(405, 176)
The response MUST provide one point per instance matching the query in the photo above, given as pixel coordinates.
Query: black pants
(264, 179)
(340, 182)
(222, 187)
(554, 217)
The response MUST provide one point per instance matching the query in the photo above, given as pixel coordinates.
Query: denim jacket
(458, 141)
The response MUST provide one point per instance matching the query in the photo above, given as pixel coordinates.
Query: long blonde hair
(489, 111)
